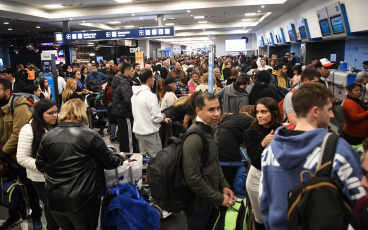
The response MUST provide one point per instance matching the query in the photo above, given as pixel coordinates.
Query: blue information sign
(46, 60)
(116, 34)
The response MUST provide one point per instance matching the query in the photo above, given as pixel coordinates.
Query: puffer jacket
(73, 157)
(24, 154)
(121, 96)
(10, 125)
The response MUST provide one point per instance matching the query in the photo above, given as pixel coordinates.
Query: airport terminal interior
(68, 36)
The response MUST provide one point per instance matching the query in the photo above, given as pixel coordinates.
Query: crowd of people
(277, 111)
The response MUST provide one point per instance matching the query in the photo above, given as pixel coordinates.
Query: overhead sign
(115, 34)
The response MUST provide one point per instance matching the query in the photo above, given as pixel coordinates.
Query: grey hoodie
(233, 99)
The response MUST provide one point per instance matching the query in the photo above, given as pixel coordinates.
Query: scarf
(357, 101)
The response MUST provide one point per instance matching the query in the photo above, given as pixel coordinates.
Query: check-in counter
(340, 81)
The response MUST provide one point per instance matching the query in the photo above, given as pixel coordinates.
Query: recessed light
(164, 19)
(198, 17)
(114, 22)
(70, 19)
(191, 15)
(169, 24)
(133, 15)
(250, 14)
(121, 1)
(170, 18)
(262, 6)
(38, 27)
(141, 18)
(155, 19)
(188, 11)
(258, 11)
(10, 29)
(54, 6)
(247, 19)
(202, 22)
(6, 23)
(131, 26)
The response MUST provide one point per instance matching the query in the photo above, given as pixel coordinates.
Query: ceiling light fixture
(155, 19)
(169, 24)
(247, 19)
(250, 14)
(258, 11)
(191, 15)
(202, 22)
(70, 19)
(121, 1)
(262, 6)
(131, 26)
(38, 27)
(198, 17)
(83, 21)
(54, 6)
(188, 11)
(6, 23)
(114, 22)
(10, 29)
(140, 18)
(133, 15)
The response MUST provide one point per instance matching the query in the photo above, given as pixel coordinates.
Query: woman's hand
(123, 155)
(267, 140)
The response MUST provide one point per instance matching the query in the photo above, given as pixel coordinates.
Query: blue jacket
(286, 157)
(99, 77)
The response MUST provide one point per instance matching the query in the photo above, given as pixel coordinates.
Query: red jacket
(356, 119)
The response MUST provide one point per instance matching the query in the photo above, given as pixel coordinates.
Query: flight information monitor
(303, 32)
(337, 24)
(325, 28)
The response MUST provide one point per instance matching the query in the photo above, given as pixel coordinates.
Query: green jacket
(206, 183)
(11, 125)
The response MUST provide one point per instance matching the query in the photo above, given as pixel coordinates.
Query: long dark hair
(272, 105)
(38, 123)
(42, 84)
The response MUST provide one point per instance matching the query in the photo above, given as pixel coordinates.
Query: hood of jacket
(290, 151)
(118, 79)
(258, 88)
(137, 89)
(231, 91)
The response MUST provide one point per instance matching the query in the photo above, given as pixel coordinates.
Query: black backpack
(319, 203)
(165, 175)
(101, 100)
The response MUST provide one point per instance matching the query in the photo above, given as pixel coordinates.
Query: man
(10, 125)
(122, 109)
(294, 151)
(177, 72)
(108, 70)
(323, 66)
(228, 59)
(362, 78)
(35, 93)
(61, 85)
(206, 181)
(17, 85)
(165, 69)
(365, 66)
(89, 67)
(308, 75)
(137, 69)
(31, 74)
(263, 65)
(99, 77)
(147, 115)
(285, 59)
(313, 63)
(235, 95)
(279, 76)
(113, 66)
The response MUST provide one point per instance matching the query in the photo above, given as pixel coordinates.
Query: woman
(84, 74)
(44, 118)
(234, 73)
(45, 89)
(217, 75)
(256, 138)
(204, 68)
(70, 91)
(182, 110)
(111, 128)
(356, 116)
(272, 63)
(69, 71)
(226, 71)
(194, 81)
(203, 87)
(160, 92)
(169, 97)
(297, 70)
(73, 158)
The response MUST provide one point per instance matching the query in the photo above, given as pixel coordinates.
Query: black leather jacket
(73, 157)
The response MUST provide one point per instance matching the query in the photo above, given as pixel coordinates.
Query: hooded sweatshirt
(233, 98)
(259, 91)
(146, 111)
(287, 156)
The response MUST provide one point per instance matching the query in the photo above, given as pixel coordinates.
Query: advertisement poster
(46, 62)
(139, 58)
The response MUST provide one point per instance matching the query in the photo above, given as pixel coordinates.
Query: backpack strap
(200, 133)
(327, 155)
(12, 104)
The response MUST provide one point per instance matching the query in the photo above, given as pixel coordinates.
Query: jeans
(40, 188)
(111, 129)
(197, 219)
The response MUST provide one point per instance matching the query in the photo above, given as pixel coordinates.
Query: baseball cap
(326, 63)
(169, 80)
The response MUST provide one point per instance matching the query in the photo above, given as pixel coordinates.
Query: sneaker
(113, 139)
(9, 223)
(37, 224)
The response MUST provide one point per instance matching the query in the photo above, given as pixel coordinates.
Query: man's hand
(123, 155)
(227, 201)
(167, 120)
(228, 192)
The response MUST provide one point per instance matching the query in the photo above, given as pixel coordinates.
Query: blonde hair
(205, 79)
(74, 110)
(248, 110)
(68, 89)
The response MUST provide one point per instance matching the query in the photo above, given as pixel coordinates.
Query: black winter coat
(259, 91)
(121, 95)
(73, 157)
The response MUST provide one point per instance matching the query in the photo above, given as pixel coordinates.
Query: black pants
(84, 219)
(352, 140)
(128, 142)
(33, 197)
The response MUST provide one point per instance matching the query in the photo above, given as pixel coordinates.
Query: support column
(148, 54)
(160, 19)
(68, 57)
